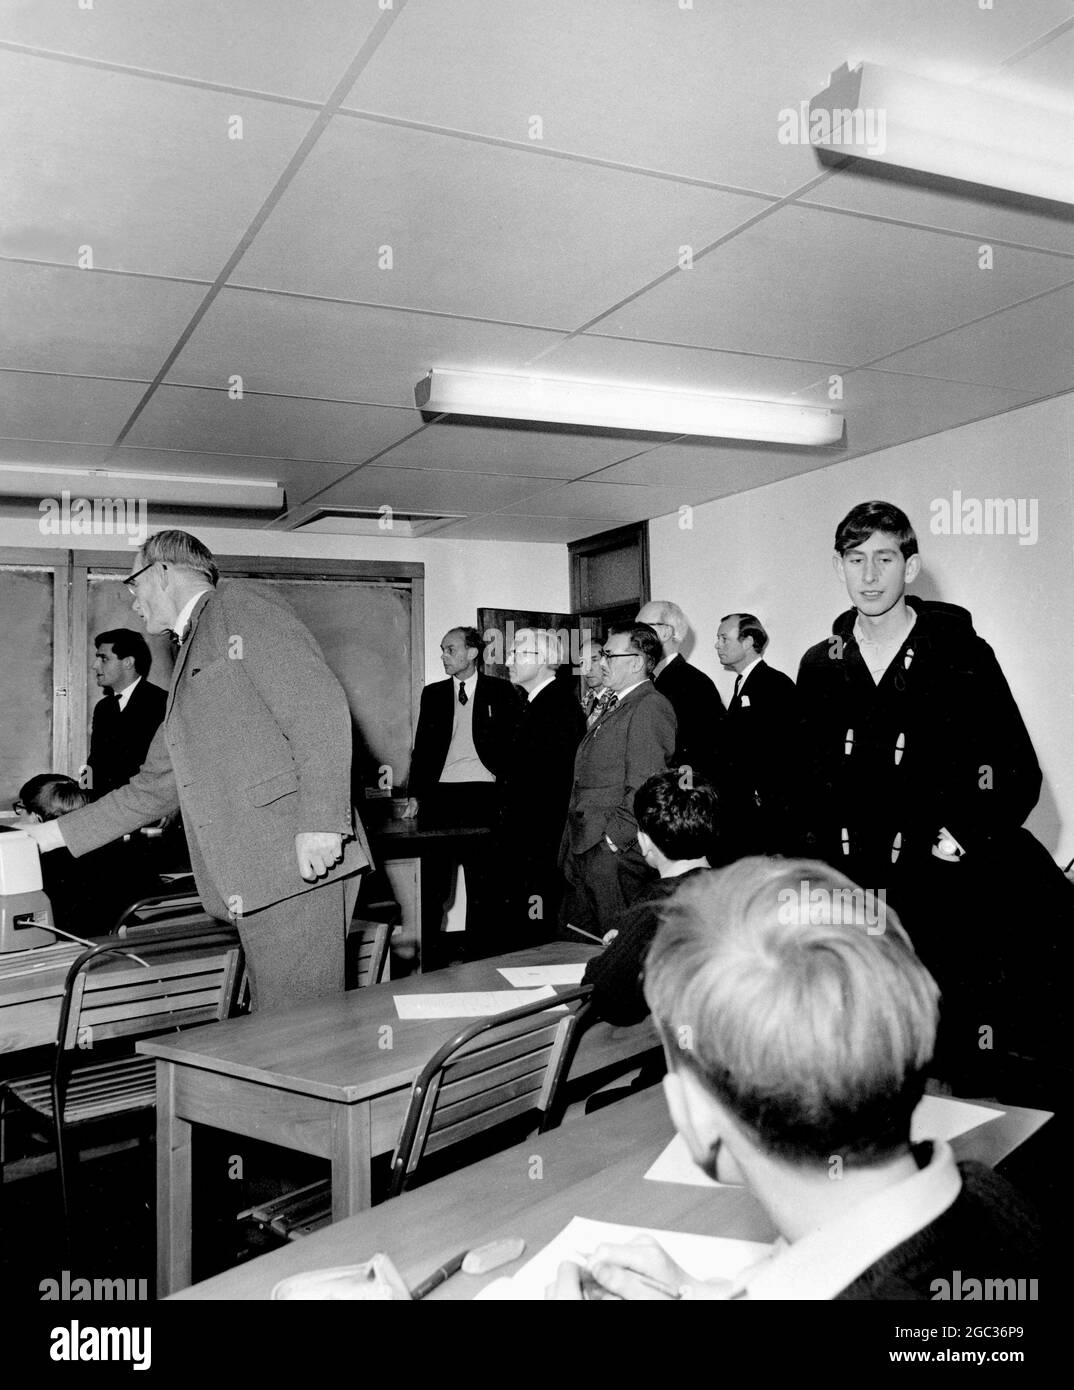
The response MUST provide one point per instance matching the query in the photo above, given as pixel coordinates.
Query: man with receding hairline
(255, 750)
(698, 708)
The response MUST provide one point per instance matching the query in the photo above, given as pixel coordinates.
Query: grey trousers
(294, 949)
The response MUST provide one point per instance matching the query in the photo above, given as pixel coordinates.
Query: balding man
(537, 779)
(693, 695)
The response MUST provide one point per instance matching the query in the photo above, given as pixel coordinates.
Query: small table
(331, 1078)
(592, 1167)
(400, 847)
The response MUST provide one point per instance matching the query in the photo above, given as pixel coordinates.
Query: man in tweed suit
(255, 751)
(633, 740)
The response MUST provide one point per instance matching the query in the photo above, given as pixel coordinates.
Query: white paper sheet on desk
(937, 1117)
(704, 1257)
(522, 976)
(469, 1003)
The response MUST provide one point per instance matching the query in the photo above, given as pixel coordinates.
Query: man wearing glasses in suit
(255, 750)
(632, 740)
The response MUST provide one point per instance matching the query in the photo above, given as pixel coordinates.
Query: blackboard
(363, 627)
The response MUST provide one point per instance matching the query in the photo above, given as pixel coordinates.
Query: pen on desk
(588, 934)
(650, 1282)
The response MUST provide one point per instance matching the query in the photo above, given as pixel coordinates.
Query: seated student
(676, 827)
(86, 895)
(796, 1049)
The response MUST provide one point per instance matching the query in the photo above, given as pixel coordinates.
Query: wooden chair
(492, 1071)
(367, 951)
(180, 900)
(171, 979)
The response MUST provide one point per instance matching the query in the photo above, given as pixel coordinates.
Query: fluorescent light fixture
(616, 407)
(235, 494)
(877, 113)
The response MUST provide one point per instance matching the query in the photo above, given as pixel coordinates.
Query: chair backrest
(491, 1071)
(174, 978)
(372, 950)
(158, 905)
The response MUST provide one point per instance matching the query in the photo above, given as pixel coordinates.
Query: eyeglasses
(129, 581)
(610, 656)
(19, 807)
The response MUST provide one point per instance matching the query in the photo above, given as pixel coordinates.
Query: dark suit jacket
(539, 772)
(120, 739)
(756, 765)
(255, 747)
(496, 713)
(698, 713)
(625, 748)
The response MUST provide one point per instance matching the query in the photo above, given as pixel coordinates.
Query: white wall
(768, 551)
(460, 576)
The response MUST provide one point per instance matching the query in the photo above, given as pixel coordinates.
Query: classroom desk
(331, 1078)
(592, 1167)
(400, 847)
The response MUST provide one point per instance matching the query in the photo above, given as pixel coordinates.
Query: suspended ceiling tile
(87, 323)
(695, 90)
(70, 408)
(503, 527)
(434, 491)
(279, 46)
(807, 283)
(1028, 348)
(206, 420)
(534, 453)
(601, 500)
(405, 217)
(885, 194)
(309, 347)
(142, 173)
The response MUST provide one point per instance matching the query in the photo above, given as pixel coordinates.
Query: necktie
(611, 703)
(464, 699)
(736, 703)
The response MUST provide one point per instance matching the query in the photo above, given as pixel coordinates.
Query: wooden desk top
(355, 1047)
(396, 838)
(591, 1167)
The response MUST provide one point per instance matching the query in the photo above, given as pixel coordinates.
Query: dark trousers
(463, 806)
(601, 883)
(294, 949)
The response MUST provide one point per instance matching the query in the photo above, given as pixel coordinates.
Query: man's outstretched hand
(47, 833)
(318, 852)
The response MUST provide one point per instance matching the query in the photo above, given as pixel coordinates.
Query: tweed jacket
(254, 748)
(622, 750)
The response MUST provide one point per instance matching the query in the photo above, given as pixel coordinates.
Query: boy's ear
(913, 568)
(837, 565)
(644, 843)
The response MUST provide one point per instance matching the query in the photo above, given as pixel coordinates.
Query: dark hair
(860, 523)
(748, 626)
(472, 638)
(643, 640)
(183, 551)
(51, 794)
(125, 642)
(680, 820)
